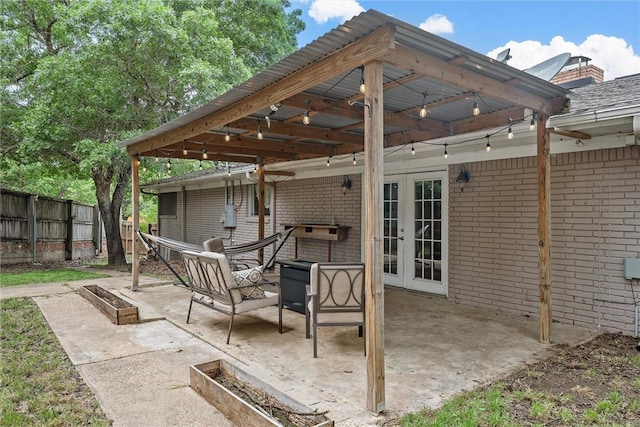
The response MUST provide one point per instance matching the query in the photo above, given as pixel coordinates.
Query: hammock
(231, 251)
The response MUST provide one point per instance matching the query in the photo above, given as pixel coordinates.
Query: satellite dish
(504, 56)
(548, 69)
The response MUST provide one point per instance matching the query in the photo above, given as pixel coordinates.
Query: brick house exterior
(492, 258)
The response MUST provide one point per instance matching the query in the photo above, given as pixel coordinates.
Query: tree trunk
(110, 210)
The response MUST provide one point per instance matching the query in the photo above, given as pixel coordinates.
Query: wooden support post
(135, 200)
(373, 254)
(544, 227)
(260, 209)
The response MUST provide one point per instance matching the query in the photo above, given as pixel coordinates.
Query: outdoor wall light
(346, 184)
(463, 177)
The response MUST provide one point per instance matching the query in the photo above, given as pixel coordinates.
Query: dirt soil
(590, 376)
(602, 375)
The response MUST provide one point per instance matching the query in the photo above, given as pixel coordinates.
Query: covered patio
(372, 84)
(140, 372)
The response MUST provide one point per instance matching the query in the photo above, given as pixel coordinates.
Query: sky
(608, 32)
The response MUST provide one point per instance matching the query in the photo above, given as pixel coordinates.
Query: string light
(423, 109)
(510, 132)
(260, 135)
(306, 119)
(255, 167)
(532, 124)
(227, 137)
(169, 164)
(488, 147)
(413, 150)
(137, 158)
(184, 148)
(157, 159)
(144, 167)
(328, 161)
(476, 109)
(362, 87)
(228, 170)
(204, 152)
(354, 159)
(200, 164)
(446, 155)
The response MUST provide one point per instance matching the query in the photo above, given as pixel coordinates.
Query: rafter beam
(450, 73)
(570, 133)
(375, 45)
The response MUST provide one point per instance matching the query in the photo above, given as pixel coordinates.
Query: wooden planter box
(115, 308)
(215, 380)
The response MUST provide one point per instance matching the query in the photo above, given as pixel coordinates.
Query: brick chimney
(577, 72)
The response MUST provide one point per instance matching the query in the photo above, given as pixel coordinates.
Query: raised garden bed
(115, 308)
(248, 401)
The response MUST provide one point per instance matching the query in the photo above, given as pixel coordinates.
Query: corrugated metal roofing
(351, 31)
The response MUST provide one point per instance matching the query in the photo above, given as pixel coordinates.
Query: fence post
(97, 230)
(69, 239)
(32, 225)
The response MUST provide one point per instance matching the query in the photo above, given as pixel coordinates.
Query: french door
(415, 240)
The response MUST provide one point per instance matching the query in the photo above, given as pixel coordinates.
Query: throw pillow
(250, 276)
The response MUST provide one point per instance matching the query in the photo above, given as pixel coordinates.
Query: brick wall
(579, 73)
(595, 219)
(320, 200)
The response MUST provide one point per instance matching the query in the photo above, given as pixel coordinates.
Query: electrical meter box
(632, 268)
(229, 217)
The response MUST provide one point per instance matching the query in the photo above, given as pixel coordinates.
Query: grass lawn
(47, 276)
(38, 383)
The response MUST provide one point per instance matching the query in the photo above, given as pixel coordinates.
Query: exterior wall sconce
(346, 184)
(463, 177)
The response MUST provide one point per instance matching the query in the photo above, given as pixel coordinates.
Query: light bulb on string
(362, 87)
(354, 159)
(200, 168)
(510, 131)
(260, 135)
(328, 161)
(413, 150)
(476, 109)
(532, 123)
(184, 148)
(446, 155)
(306, 119)
(204, 153)
(423, 109)
(157, 159)
(227, 136)
(169, 164)
(488, 147)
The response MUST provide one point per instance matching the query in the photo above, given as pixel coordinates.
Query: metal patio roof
(324, 78)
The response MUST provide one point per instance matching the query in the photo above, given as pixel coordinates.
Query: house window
(253, 200)
(168, 204)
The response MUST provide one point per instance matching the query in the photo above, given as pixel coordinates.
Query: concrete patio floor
(140, 373)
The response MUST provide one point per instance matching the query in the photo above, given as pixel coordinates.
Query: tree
(80, 76)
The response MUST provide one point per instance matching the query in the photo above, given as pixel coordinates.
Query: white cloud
(324, 10)
(612, 54)
(437, 24)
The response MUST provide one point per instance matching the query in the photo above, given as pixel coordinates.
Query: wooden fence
(36, 228)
